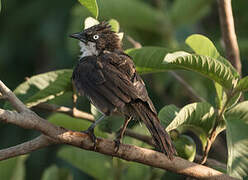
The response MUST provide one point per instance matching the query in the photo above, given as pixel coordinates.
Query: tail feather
(160, 136)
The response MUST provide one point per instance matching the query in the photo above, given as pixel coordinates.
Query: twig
(210, 141)
(214, 132)
(210, 162)
(187, 87)
(228, 33)
(27, 147)
(135, 44)
(30, 120)
(71, 112)
(14, 101)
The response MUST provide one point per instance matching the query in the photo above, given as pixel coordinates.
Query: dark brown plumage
(109, 79)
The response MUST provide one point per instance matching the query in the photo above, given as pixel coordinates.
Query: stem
(191, 91)
(214, 133)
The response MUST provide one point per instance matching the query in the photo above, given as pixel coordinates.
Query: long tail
(160, 136)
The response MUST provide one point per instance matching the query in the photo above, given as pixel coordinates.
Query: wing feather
(110, 83)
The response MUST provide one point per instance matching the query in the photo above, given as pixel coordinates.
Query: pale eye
(95, 37)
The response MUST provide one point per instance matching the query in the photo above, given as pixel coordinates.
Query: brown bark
(228, 33)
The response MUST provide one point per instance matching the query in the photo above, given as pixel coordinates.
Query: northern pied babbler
(107, 76)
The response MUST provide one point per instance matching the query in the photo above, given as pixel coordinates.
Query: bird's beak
(80, 36)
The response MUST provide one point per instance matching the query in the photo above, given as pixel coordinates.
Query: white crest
(89, 22)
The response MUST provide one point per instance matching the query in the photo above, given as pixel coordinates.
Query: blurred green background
(34, 39)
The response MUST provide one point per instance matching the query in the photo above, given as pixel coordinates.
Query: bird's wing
(110, 81)
(121, 70)
(89, 80)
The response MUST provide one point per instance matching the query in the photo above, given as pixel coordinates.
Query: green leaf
(203, 46)
(186, 147)
(55, 173)
(175, 55)
(135, 14)
(43, 87)
(237, 140)
(207, 66)
(13, 168)
(136, 171)
(115, 26)
(221, 95)
(92, 163)
(71, 123)
(167, 114)
(0, 5)
(132, 14)
(148, 59)
(242, 84)
(51, 173)
(197, 117)
(91, 5)
(183, 12)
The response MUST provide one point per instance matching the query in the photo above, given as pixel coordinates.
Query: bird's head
(99, 38)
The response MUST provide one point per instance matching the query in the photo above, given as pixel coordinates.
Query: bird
(106, 75)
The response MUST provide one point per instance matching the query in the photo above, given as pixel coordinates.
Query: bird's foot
(117, 144)
(90, 132)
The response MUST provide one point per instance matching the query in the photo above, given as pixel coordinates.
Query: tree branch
(27, 147)
(228, 33)
(28, 119)
(144, 138)
(14, 101)
(127, 152)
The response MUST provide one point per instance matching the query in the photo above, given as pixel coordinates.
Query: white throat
(88, 49)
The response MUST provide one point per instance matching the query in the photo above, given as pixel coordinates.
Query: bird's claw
(93, 138)
(117, 144)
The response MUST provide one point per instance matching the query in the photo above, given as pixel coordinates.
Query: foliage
(139, 19)
(91, 5)
(237, 126)
(43, 87)
(13, 168)
(55, 173)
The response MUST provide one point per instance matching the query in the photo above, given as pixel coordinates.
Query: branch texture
(27, 147)
(53, 134)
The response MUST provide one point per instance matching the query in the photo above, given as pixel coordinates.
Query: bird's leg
(74, 99)
(121, 133)
(90, 130)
